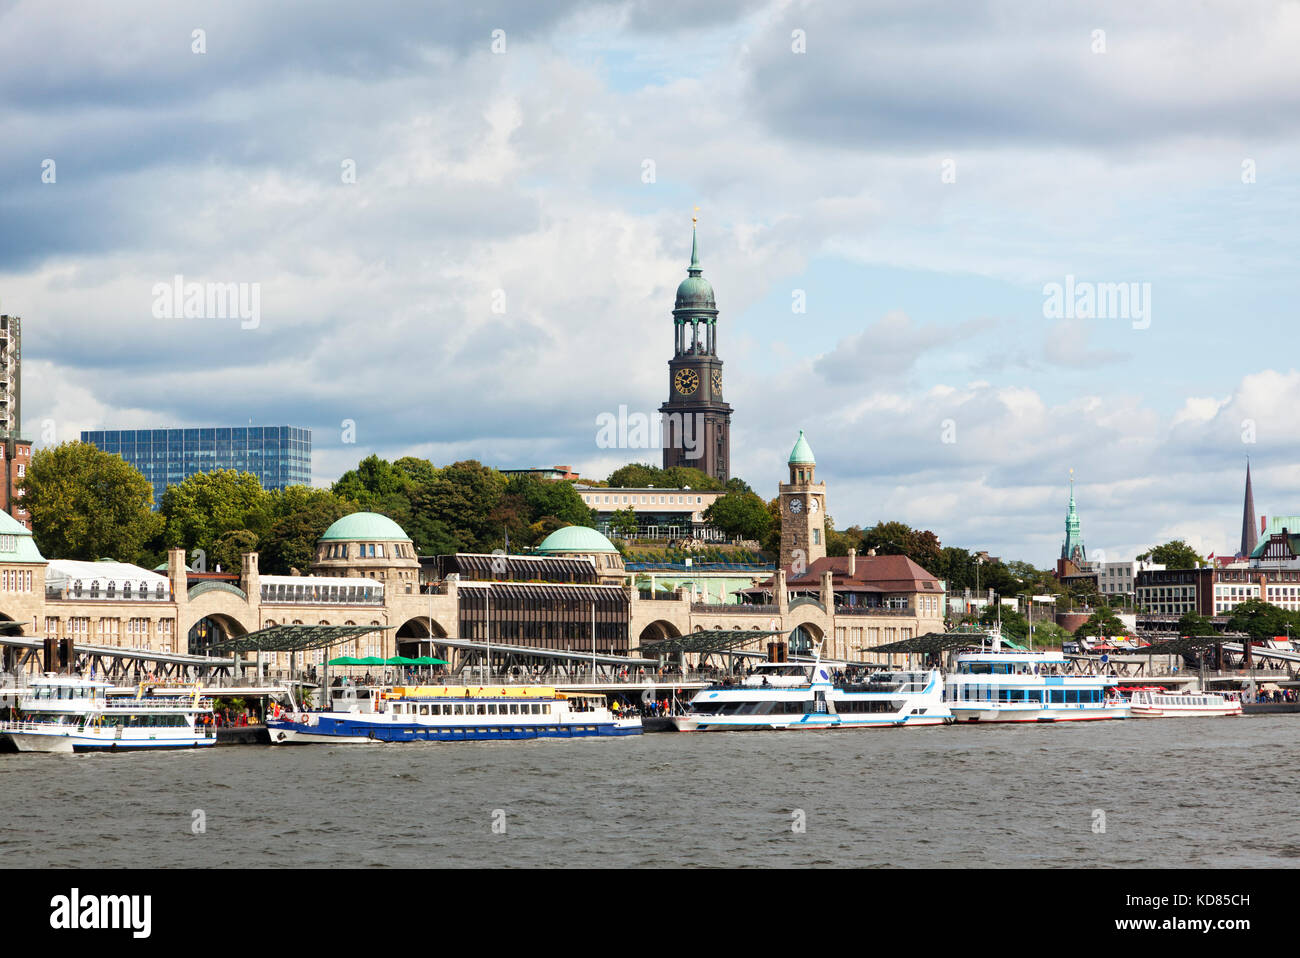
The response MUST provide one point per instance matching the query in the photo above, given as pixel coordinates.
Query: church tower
(1248, 537)
(696, 422)
(803, 511)
(1072, 548)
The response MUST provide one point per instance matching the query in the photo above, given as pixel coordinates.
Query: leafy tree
(1175, 554)
(1194, 624)
(1015, 626)
(1101, 623)
(228, 551)
(736, 484)
(636, 475)
(741, 515)
(300, 516)
(87, 504)
(376, 485)
(623, 522)
(206, 505)
(463, 498)
(1263, 620)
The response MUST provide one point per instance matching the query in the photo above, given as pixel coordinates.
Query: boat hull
(67, 742)
(808, 723)
(353, 731)
(1167, 712)
(986, 715)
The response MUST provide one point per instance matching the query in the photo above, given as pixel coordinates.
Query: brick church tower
(803, 511)
(696, 422)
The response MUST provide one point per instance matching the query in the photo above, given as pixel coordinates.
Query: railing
(658, 596)
(733, 608)
(903, 612)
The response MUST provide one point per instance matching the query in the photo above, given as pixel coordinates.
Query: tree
(87, 504)
(1175, 554)
(639, 475)
(463, 498)
(1193, 624)
(300, 516)
(636, 475)
(1101, 623)
(1263, 620)
(228, 551)
(623, 522)
(740, 515)
(206, 505)
(377, 485)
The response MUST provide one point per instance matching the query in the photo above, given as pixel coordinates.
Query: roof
(802, 452)
(364, 525)
(62, 571)
(24, 549)
(576, 539)
(871, 574)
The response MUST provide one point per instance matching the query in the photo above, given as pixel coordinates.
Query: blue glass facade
(279, 456)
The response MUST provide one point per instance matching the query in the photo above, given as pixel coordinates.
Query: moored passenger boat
(451, 714)
(813, 695)
(1003, 685)
(1162, 703)
(60, 713)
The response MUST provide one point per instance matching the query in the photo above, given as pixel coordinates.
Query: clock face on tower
(796, 506)
(812, 505)
(717, 382)
(686, 381)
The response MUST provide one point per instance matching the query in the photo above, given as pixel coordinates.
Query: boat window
(480, 709)
(546, 709)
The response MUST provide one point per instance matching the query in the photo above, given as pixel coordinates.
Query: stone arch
(205, 631)
(657, 631)
(804, 638)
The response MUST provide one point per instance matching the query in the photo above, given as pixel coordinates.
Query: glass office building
(279, 456)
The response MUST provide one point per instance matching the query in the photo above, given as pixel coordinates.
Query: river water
(1189, 793)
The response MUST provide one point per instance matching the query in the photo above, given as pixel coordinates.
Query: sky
(464, 225)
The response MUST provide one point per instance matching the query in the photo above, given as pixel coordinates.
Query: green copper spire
(1073, 548)
(802, 452)
(695, 269)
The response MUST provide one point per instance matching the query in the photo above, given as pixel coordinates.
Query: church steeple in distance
(1072, 548)
(696, 421)
(1249, 538)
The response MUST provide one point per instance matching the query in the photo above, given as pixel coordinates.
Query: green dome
(802, 452)
(370, 526)
(24, 549)
(695, 292)
(576, 539)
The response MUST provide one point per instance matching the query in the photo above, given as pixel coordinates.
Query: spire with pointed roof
(1073, 548)
(802, 452)
(1249, 538)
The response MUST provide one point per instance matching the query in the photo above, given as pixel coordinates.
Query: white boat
(450, 714)
(1161, 703)
(817, 695)
(1006, 685)
(62, 713)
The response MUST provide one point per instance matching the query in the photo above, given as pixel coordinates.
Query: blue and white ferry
(1006, 685)
(450, 714)
(808, 696)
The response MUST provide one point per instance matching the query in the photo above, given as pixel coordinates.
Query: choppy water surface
(1193, 792)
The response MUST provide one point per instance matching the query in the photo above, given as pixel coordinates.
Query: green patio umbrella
(370, 660)
(345, 660)
(428, 660)
(401, 660)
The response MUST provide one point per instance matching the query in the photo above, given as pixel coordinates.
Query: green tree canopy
(638, 475)
(1263, 620)
(87, 504)
(299, 517)
(1194, 624)
(206, 505)
(623, 522)
(1175, 554)
(1101, 623)
(740, 515)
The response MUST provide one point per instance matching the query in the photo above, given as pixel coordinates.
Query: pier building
(572, 597)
